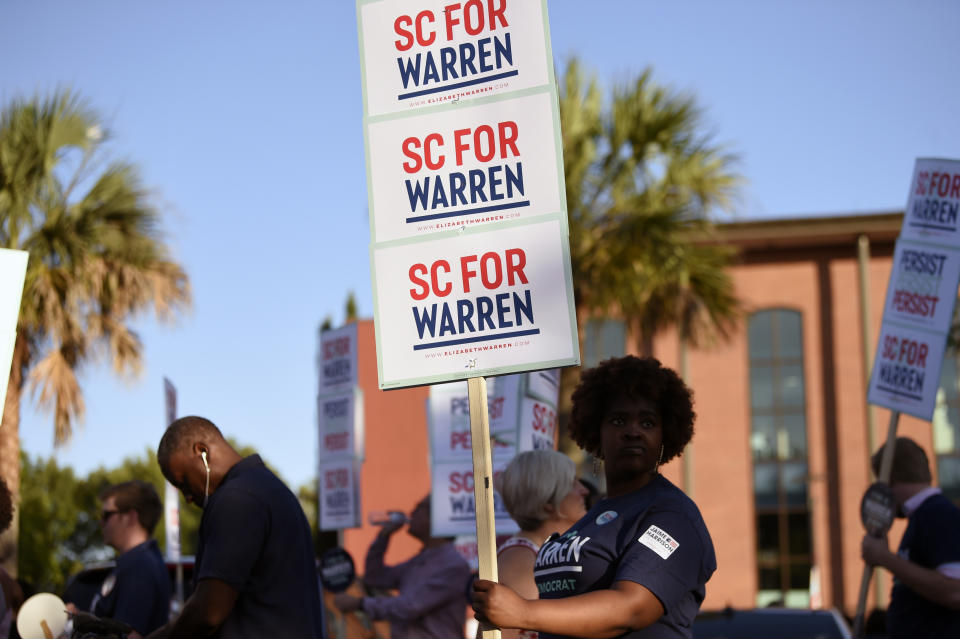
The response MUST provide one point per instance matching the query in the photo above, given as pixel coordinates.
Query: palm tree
(642, 181)
(96, 258)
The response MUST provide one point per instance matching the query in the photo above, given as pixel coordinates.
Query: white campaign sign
(449, 418)
(337, 359)
(921, 293)
(339, 494)
(469, 166)
(538, 426)
(452, 502)
(906, 371)
(341, 425)
(475, 304)
(923, 285)
(13, 268)
(422, 53)
(934, 203)
(544, 385)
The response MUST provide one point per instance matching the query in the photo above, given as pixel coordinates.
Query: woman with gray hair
(542, 494)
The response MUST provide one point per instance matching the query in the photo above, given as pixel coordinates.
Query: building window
(946, 428)
(602, 339)
(778, 440)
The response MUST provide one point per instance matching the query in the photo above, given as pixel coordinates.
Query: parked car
(782, 623)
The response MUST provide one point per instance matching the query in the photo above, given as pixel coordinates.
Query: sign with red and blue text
(425, 53)
(469, 240)
(921, 293)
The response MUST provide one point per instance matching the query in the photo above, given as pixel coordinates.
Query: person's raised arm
(926, 582)
(203, 613)
(376, 574)
(601, 614)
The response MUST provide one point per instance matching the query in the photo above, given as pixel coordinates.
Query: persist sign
(921, 294)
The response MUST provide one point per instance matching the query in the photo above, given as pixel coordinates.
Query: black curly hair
(637, 377)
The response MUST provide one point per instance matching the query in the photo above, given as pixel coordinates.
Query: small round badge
(606, 517)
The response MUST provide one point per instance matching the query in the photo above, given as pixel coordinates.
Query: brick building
(780, 459)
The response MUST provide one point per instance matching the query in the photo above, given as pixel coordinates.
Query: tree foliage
(97, 258)
(642, 179)
(60, 530)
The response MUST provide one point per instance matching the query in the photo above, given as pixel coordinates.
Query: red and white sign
(934, 203)
(906, 371)
(340, 417)
(475, 304)
(338, 494)
(538, 426)
(470, 166)
(449, 418)
(452, 503)
(424, 53)
(337, 360)
(921, 293)
(923, 285)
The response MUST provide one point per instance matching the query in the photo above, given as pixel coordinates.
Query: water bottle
(384, 517)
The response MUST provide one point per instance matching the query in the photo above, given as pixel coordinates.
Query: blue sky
(245, 118)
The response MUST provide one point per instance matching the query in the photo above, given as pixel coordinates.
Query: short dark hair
(182, 434)
(910, 463)
(6, 506)
(139, 496)
(637, 377)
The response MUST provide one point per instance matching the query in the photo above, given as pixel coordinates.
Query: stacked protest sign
(523, 416)
(340, 430)
(921, 293)
(13, 269)
(469, 238)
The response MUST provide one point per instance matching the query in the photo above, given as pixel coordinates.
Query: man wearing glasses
(138, 590)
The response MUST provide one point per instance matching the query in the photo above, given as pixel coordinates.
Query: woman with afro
(636, 565)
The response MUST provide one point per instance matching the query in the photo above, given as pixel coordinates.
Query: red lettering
(475, 19)
(409, 147)
(435, 278)
(459, 145)
(420, 269)
(496, 10)
(465, 272)
(516, 260)
(425, 16)
(473, 23)
(460, 440)
(484, 131)
(461, 482)
(508, 138)
(485, 272)
(450, 19)
(398, 24)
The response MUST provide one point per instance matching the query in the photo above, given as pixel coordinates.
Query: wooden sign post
(483, 487)
(886, 465)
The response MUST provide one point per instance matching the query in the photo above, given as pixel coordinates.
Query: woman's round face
(572, 507)
(631, 433)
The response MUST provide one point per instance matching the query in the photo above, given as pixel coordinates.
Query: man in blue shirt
(137, 592)
(925, 600)
(255, 570)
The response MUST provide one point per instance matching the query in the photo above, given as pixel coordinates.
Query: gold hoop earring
(656, 469)
(597, 466)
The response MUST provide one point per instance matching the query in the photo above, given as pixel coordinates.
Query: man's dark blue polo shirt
(255, 537)
(138, 590)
